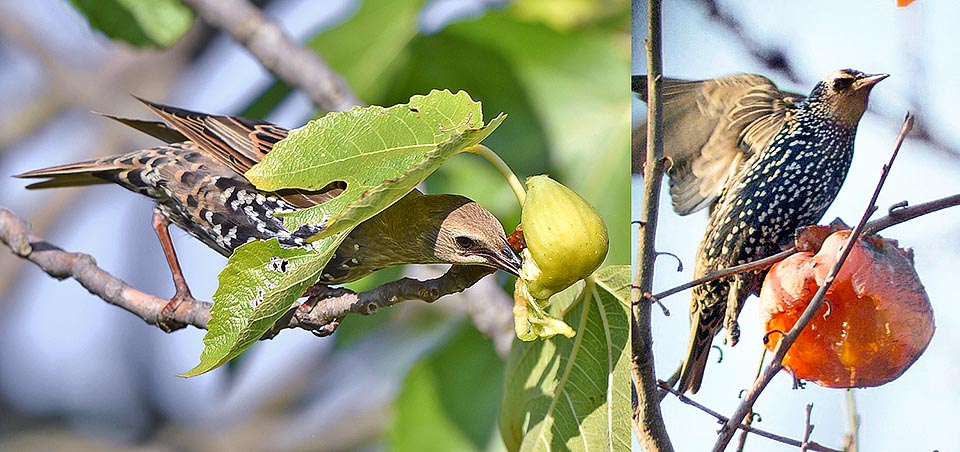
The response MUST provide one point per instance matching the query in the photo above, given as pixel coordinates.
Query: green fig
(564, 234)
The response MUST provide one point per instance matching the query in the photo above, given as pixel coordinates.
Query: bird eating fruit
(197, 181)
(766, 162)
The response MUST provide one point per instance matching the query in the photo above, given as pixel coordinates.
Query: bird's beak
(869, 80)
(507, 260)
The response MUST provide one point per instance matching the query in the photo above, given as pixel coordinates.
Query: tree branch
(647, 419)
(276, 51)
(321, 314)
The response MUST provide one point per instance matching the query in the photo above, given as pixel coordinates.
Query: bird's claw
(166, 320)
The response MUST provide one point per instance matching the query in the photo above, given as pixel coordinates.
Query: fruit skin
(565, 235)
(875, 324)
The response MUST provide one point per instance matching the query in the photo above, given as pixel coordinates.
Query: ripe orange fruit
(876, 321)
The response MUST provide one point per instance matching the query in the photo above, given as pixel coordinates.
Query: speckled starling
(197, 182)
(766, 162)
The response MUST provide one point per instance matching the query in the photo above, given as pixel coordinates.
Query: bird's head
(842, 96)
(471, 235)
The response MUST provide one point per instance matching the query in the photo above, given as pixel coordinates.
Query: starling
(197, 182)
(766, 162)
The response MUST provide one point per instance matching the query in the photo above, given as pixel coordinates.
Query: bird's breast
(788, 185)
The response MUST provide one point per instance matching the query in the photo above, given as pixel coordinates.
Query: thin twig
(776, 364)
(321, 314)
(851, 439)
(807, 428)
(742, 442)
(758, 264)
(647, 419)
(276, 51)
(812, 445)
(903, 214)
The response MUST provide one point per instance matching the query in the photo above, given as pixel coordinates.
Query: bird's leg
(165, 319)
(734, 302)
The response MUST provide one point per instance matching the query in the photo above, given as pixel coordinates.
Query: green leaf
(434, 411)
(259, 284)
(574, 394)
(154, 23)
(380, 153)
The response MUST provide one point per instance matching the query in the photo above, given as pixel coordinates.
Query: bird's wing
(711, 127)
(238, 143)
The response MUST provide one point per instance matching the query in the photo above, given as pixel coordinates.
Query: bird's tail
(701, 340)
(100, 171)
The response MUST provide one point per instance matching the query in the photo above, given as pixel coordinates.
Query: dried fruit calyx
(566, 237)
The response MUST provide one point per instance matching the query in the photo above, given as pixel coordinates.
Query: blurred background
(79, 374)
(795, 44)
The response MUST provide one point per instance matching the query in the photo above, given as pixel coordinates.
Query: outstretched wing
(710, 128)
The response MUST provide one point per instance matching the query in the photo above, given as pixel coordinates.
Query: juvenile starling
(197, 181)
(766, 162)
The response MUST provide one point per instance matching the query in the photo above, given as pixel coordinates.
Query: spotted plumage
(208, 200)
(197, 182)
(766, 162)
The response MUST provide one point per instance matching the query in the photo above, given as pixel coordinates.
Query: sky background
(917, 46)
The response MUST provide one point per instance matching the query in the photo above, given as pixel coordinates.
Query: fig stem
(515, 184)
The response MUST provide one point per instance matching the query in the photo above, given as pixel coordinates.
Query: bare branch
(16, 234)
(276, 51)
(758, 264)
(902, 214)
(807, 428)
(776, 364)
(326, 306)
(851, 441)
(647, 419)
(742, 442)
(320, 314)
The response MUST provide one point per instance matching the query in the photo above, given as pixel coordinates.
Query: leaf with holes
(574, 394)
(380, 153)
(260, 283)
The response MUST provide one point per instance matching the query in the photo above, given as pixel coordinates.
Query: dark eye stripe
(842, 83)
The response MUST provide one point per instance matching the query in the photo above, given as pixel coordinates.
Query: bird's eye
(465, 242)
(842, 83)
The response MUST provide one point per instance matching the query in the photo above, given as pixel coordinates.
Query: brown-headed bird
(197, 182)
(766, 162)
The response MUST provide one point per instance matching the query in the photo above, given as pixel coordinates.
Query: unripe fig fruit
(565, 235)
